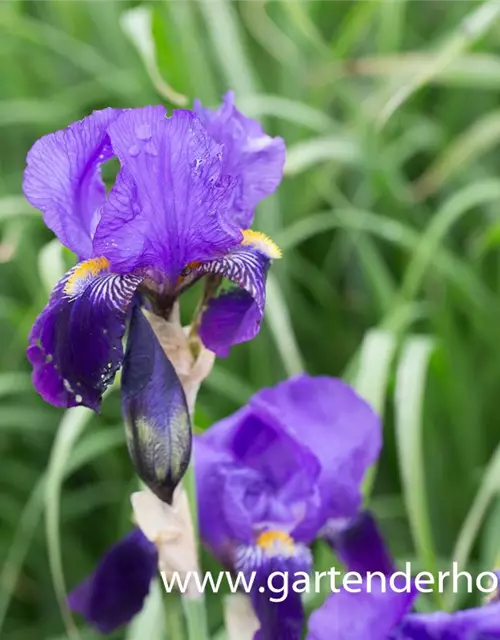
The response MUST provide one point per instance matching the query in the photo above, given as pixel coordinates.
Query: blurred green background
(389, 222)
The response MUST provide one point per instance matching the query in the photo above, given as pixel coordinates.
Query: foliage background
(388, 218)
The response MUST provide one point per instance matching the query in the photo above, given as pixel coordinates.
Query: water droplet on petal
(150, 149)
(134, 151)
(143, 132)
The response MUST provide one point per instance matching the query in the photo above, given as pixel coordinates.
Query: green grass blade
(13, 206)
(375, 359)
(354, 28)
(409, 404)
(258, 106)
(460, 154)
(137, 24)
(51, 264)
(278, 318)
(374, 366)
(474, 195)
(224, 31)
(306, 154)
(394, 232)
(16, 554)
(490, 487)
(70, 430)
(472, 28)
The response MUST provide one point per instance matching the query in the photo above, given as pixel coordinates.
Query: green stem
(194, 608)
(174, 617)
(189, 481)
(196, 617)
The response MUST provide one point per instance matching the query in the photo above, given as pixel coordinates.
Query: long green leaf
(411, 376)
(279, 321)
(476, 194)
(70, 430)
(374, 366)
(472, 28)
(490, 487)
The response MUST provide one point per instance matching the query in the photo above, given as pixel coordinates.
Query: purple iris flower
(380, 614)
(269, 479)
(275, 475)
(179, 210)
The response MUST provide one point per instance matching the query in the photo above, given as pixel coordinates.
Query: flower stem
(189, 481)
(194, 608)
(174, 617)
(196, 617)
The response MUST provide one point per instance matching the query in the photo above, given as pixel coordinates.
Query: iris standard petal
(115, 592)
(258, 475)
(324, 437)
(75, 344)
(227, 496)
(328, 417)
(62, 179)
(171, 202)
(236, 316)
(155, 411)
(360, 615)
(479, 623)
(249, 154)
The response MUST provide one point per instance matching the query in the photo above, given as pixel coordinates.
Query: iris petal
(358, 615)
(249, 154)
(171, 203)
(276, 564)
(361, 547)
(231, 318)
(62, 179)
(115, 592)
(479, 623)
(322, 409)
(75, 344)
(235, 316)
(155, 411)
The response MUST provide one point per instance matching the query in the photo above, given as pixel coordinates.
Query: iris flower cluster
(280, 473)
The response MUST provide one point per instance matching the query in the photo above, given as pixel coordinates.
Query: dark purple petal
(75, 344)
(360, 615)
(279, 620)
(249, 154)
(480, 623)
(360, 546)
(115, 592)
(155, 411)
(231, 318)
(62, 179)
(275, 563)
(169, 206)
(337, 426)
(228, 497)
(236, 316)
